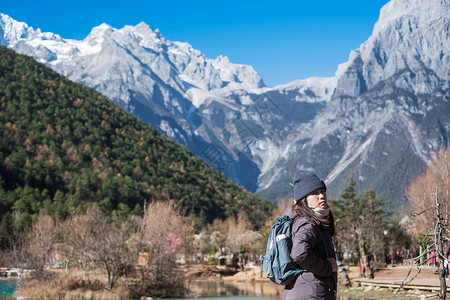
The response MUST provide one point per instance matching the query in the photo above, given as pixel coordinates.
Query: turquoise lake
(7, 287)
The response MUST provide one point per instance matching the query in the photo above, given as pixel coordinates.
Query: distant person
(388, 258)
(446, 262)
(235, 261)
(432, 258)
(312, 247)
(260, 264)
(370, 260)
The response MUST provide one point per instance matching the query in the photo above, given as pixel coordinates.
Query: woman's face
(318, 198)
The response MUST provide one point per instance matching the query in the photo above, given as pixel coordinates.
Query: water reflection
(260, 290)
(216, 290)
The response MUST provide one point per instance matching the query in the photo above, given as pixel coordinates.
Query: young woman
(312, 247)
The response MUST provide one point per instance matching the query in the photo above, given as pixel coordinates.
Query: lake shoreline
(391, 273)
(212, 280)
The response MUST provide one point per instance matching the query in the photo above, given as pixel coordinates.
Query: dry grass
(75, 285)
(70, 286)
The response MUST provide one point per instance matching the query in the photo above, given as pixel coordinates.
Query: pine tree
(359, 222)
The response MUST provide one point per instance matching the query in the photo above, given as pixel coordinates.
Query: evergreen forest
(65, 148)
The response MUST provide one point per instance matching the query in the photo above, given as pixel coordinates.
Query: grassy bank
(71, 286)
(382, 293)
(75, 285)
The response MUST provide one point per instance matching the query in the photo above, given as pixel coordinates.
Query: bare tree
(92, 241)
(237, 232)
(239, 238)
(434, 180)
(113, 252)
(78, 235)
(37, 247)
(428, 198)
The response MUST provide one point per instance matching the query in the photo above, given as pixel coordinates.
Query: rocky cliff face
(389, 110)
(380, 118)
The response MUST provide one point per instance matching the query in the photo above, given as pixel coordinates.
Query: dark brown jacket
(318, 282)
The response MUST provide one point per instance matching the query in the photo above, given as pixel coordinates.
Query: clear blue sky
(283, 40)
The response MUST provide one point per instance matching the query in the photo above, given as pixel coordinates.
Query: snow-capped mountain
(380, 118)
(389, 111)
(160, 81)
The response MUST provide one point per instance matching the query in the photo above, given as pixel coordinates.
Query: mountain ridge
(65, 147)
(258, 135)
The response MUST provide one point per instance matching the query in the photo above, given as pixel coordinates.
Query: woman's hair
(300, 208)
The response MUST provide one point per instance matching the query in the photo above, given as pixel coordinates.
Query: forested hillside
(65, 147)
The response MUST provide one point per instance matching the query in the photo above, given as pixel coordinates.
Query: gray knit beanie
(306, 182)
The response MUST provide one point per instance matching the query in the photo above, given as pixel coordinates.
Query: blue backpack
(277, 263)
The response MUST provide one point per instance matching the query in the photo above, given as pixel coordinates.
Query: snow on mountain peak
(221, 59)
(321, 87)
(93, 42)
(12, 30)
(102, 30)
(409, 34)
(237, 72)
(108, 52)
(144, 28)
(415, 11)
